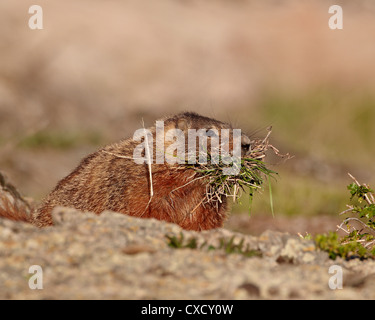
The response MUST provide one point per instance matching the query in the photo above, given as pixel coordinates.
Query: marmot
(109, 179)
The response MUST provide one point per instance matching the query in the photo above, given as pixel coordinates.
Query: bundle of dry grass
(252, 172)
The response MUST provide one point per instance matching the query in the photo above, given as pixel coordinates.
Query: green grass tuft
(359, 230)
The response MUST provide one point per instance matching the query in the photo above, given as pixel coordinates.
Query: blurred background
(99, 67)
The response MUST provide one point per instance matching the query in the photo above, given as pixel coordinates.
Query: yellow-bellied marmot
(109, 179)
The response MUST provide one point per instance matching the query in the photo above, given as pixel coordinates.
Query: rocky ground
(113, 256)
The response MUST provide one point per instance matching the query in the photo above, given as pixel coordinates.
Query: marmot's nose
(245, 145)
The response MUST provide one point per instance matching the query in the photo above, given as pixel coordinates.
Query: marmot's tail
(13, 210)
(12, 205)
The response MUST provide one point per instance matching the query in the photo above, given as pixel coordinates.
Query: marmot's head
(210, 127)
(189, 137)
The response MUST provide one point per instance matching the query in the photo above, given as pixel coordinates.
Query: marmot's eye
(211, 133)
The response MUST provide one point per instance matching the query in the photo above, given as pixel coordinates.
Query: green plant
(180, 242)
(335, 247)
(359, 230)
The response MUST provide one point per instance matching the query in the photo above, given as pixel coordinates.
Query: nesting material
(252, 173)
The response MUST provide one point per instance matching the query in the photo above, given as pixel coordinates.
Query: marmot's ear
(182, 124)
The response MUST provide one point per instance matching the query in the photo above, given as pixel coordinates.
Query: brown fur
(12, 205)
(105, 181)
(13, 210)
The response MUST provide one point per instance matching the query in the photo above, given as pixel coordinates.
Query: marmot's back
(109, 179)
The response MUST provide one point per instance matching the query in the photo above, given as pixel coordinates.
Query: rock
(114, 256)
